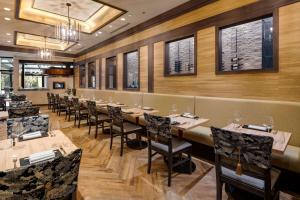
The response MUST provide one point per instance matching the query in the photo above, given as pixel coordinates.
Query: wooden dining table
(281, 138)
(58, 141)
(3, 115)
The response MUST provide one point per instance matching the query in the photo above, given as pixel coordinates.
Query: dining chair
(49, 100)
(61, 105)
(160, 141)
(23, 112)
(96, 118)
(118, 127)
(2, 103)
(18, 97)
(20, 104)
(81, 112)
(53, 100)
(70, 109)
(51, 180)
(243, 161)
(29, 125)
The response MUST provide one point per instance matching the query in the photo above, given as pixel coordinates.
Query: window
(247, 46)
(131, 70)
(6, 71)
(92, 75)
(34, 75)
(111, 73)
(82, 76)
(180, 57)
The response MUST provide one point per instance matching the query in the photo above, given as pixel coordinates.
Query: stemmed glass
(54, 125)
(173, 109)
(17, 132)
(269, 123)
(237, 119)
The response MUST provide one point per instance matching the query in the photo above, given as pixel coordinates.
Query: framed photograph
(58, 85)
(247, 46)
(131, 71)
(180, 57)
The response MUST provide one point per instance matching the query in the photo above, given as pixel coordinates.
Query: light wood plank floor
(105, 175)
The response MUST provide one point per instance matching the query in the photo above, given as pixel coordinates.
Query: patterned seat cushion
(177, 145)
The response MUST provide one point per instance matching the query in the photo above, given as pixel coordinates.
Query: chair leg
(219, 190)
(102, 127)
(66, 115)
(111, 138)
(75, 120)
(96, 129)
(69, 116)
(79, 119)
(149, 158)
(122, 144)
(170, 166)
(89, 128)
(190, 163)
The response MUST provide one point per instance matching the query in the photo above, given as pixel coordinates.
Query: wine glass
(173, 109)
(237, 119)
(55, 125)
(268, 123)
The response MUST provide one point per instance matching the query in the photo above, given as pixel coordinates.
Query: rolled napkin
(189, 115)
(147, 108)
(41, 156)
(256, 127)
(32, 135)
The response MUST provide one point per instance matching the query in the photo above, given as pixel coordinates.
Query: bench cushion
(200, 134)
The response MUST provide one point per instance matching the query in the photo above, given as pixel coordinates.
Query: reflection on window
(82, 76)
(131, 73)
(6, 71)
(92, 75)
(111, 73)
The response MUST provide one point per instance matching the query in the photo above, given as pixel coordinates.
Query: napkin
(256, 127)
(189, 115)
(32, 135)
(41, 156)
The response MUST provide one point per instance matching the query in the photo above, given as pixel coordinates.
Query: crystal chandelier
(68, 32)
(44, 53)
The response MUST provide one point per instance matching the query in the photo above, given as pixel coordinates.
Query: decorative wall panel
(131, 61)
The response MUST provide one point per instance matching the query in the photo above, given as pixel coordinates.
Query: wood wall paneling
(144, 69)
(120, 71)
(103, 78)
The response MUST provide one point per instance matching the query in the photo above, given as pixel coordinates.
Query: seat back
(21, 97)
(30, 124)
(20, 104)
(57, 179)
(158, 128)
(252, 152)
(92, 108)
(116, 116)
(23, 112)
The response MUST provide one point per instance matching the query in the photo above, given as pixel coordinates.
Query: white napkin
(256, 127)
(28, 136)
(41, 156)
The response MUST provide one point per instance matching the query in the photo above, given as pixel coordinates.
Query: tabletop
(3, 115)
(138, 112)
(281, 138)
(26, 148)
(187, 123)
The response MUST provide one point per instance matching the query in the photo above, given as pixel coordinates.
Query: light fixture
(110, 26)
(8, 34)
(99, 32)
(123, 19)
(8, 41)
(7, 9)
(7, 18)
(44, 53)
(69, 32)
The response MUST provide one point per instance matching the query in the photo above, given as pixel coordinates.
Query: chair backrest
(2, 99)
(20, 104)
(23, 112)
(115, 114)
(30, 124)
(21, 97)
(57, 179)
(92, 108)
(76, 103)
(48, 95)
(253, 152)
(158, 128)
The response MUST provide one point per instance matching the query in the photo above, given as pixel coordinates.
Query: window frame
(88, 72)
(166, 56)
(107, 74)
(9, 71)
(125, 71)
(23, 79)
(82, 66)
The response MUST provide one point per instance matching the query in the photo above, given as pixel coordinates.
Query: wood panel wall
(281, 85)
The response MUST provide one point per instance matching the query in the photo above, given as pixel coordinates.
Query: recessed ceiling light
(79, 44)
(123, 19)
(99, 32)
(8, 34)
(8, 41)
(7, 9)
(96, 34)
(110, 26)
(7, 18)
(129, 15)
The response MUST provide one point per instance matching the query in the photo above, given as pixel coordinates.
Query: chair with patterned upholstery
(20, 104)
(96, 118)
(61, 105)
(2, 103)
(160, 141)
(29, 124)
(49, 100)
(53, 100)
(243, 162)
(120, 128)
(70, 109)
(81, 113)
(51, 180)
(18, 97)
(23, 112)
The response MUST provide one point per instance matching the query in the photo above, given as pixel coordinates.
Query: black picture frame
(125, 71)
(59, 85)
(115, 72)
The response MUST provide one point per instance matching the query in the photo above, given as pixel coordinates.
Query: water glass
(268, 123)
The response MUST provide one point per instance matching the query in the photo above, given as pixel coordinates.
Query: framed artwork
(82, 76)
(131, 71)
(111, 73)
(180, 57)
(58, 85)
(92, 75)
(247, 46)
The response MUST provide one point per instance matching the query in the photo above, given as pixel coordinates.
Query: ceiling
(123, 15)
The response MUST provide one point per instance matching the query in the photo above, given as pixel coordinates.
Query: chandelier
(68, 32)
(44, 53)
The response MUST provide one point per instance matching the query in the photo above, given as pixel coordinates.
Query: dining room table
(280, 138)
(12, 156)
(3, 115)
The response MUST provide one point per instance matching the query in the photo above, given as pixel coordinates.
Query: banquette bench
(220, 111)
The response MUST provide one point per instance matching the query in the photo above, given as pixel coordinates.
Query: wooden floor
(105, 175)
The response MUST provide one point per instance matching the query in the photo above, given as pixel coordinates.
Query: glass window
(92, 75)
(6, 73)
(111, 73)
(180, 57)
(131, 70)
(82, 76)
